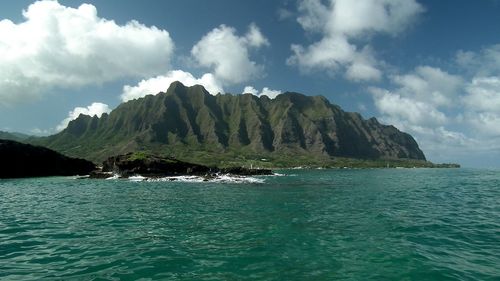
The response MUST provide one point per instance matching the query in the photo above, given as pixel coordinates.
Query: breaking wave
(224, 178)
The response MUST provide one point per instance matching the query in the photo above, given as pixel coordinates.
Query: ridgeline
(189, 124)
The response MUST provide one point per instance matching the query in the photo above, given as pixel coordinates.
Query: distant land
(13, 136)
(190, 124)
(19, 160)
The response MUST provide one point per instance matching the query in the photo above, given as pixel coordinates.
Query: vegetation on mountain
(189, 124)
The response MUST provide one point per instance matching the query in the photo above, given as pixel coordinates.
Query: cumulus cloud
(228, 55)
(265, 92)
(486, 123)
(270, 93)
(486, 62)
(447, 145)
(483, 94)
(358, 18)
(429, 84)
(482, 105)
(420, 97)
(411, 111)
(448, 114)
(161, 83)
(254, 37)
(95, 109)
(481, 99)
(59, 46)
(419, 104)
(343, 22)
(250, 90)
(221, 50)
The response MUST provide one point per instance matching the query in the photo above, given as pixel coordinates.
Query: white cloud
(227, 54)
(485, 123)
(254, 37)
(223, 51)
(363, 67)
(313, 15)
(452, 117)
(59, 46)
(95, 108)
(442, 144)
(270, 93)
(250, 90)
(339, 23)
(419, 103)
(481, 100)
(407, 110)
(158, 84)
(420, 97)
(482, 105)
(265, 92)
(329, 53)
(446, 145)
(483, 63)
(361, 17)
(431, 85)
(483, 94)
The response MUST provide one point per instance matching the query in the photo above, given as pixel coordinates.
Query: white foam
(136, 178)
(114, 177)
(179, 178)
(237, 179)
(217, 179)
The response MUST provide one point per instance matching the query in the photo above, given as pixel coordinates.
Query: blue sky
(431, 68)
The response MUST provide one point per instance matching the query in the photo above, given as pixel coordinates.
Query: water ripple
(315, 225)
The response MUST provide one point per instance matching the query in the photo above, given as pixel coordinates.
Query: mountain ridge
(188, 121)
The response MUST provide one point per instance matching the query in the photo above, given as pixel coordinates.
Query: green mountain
(190, 124)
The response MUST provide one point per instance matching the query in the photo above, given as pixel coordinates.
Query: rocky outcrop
(241, 171)
(151, 166)
(18, 160)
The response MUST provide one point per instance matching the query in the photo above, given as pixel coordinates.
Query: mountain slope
(188, 122)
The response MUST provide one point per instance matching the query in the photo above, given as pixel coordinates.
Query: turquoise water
(386, 224)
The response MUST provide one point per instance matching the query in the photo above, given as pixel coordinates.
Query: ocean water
(381, 224)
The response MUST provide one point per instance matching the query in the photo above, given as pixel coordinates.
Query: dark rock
(154, 166)
(100, 175)
(240, 171)
(151, 166)
(18, 160)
